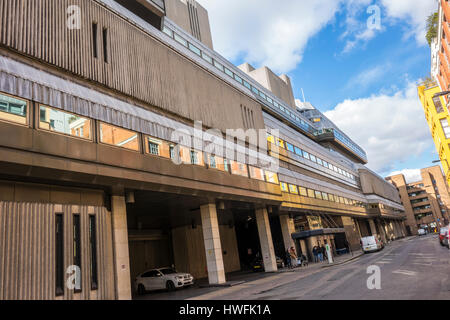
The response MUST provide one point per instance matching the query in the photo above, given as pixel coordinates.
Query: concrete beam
(287, 229)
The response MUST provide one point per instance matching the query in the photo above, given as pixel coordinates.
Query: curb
(342, 262)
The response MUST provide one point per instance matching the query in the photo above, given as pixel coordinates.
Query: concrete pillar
(120, 245)
(304, 247)
(265, 239)
(352, 233)
(373, 229)
(213, 247)
(287, 229)
(382, 231)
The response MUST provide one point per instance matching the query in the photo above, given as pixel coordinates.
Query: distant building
(426, 202)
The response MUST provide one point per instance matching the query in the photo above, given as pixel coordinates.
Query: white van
(370, 244)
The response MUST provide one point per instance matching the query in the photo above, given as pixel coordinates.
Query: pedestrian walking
(320, 253)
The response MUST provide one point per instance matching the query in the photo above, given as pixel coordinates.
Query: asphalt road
(413, 268)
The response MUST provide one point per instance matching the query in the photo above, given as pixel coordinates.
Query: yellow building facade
(437, 116)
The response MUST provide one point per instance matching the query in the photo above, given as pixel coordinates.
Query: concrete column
(352, 233)
(120, 245)
(213, 247)
(373, 229)
(265, 239)
(287, 229)
(382, 231)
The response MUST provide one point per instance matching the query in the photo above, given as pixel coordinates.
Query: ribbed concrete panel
(27, 251)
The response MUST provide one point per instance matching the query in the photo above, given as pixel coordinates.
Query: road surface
(412, 268)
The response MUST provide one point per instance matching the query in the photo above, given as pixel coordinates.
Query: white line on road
(405, 272)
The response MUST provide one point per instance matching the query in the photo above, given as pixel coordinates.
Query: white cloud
(264, 32)
(368, 76)
(414, 13)
(391, 128)
(411, 175)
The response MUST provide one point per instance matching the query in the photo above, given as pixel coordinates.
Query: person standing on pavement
(324, 252)
(293, 257)
(315, 254)
(320, 253)
(288, 259)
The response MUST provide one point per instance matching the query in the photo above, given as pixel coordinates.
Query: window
(271, 177)
(318, 194)
(305, 155)
(229, 72)
(153, 148)
(180, 40)
(12, 109)
(218, 65)
(325, 164)
(293, 189)
(346, 201)
(438, 104)
(284, 187)
(59, 254)
(93, 249)
(303, 192)
(239, 169)
(168, 31)
(105, 45)
(119, 137)
(341, 200)
(77, 245)
(255, 91)
(247, 85)
(298, 151)
(280, 143)
(311, 193)
(194, 49)
(238, 79)
(194, 157)
(446, 128)
(319, 161)
(64, 122)
(290, 147)
(212, 162)
(313, 158)
(94, 40)
(256, 173)
(207, 58)
(325, 196)
(331, 197)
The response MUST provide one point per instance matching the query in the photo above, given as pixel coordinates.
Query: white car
(159, 279)
(370, 244)
(421, 232)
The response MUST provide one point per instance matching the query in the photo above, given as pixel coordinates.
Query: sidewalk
(341, 259)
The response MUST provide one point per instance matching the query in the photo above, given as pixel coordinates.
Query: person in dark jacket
(315, 254)
(288, 259)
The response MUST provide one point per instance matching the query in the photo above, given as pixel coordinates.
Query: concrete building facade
(426, 202)
(114, 157)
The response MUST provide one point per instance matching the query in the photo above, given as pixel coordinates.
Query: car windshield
(167, 271)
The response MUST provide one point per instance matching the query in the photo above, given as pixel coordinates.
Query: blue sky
(364, 79)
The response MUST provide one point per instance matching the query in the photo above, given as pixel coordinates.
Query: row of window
(76, 257)
(423, 215)
(15, 110)
(270, 100)
(310, 193)
(302, 153)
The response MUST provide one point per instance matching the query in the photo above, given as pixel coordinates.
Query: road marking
(422, 264)
(405, 272)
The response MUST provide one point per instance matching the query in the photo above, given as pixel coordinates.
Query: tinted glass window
(12, 109)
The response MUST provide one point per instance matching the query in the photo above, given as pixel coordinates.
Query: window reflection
(12, 109)
(119, 137)
(63, 122)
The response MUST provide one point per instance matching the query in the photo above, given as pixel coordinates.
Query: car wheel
(141, 290)
(170, 286)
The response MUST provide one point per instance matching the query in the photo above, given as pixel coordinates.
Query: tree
(432, 27)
